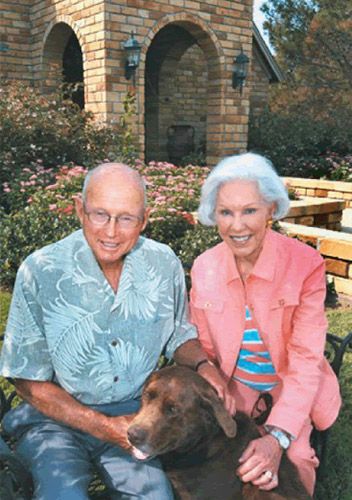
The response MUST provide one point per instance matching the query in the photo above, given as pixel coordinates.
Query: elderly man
(90, 317)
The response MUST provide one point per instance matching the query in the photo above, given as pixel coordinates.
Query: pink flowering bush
(40, 132)
(47, 216)
(45, 208)
(340, 167)
(17, 193)
(173, 194)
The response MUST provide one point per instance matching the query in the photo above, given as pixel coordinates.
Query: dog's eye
(149, 395)
(171, 409)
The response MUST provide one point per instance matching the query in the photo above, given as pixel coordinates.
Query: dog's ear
(225, 420)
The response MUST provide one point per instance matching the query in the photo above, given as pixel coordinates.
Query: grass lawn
(5, 298)
(337, 481)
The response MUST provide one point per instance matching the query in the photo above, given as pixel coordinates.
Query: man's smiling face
(115, 193)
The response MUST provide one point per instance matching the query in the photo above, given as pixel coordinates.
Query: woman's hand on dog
(215, 379)
(260, 462)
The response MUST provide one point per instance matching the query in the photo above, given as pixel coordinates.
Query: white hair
(246, 166)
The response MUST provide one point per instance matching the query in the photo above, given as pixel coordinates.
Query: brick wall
(52, 25)
(181, 94)
(335, 247)
(324, 213)
(38, 30)
(15, 63)
(322, 188)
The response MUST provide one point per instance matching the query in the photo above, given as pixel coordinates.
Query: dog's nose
(136, 435)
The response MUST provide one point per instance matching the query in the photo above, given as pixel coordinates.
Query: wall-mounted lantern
(132, 55)
(240, 71)
(4, 47)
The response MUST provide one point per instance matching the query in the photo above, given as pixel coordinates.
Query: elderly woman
(257, 300)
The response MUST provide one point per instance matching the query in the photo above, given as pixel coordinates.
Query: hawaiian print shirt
(66, 324)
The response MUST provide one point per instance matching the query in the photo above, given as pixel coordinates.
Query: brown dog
(199, 443)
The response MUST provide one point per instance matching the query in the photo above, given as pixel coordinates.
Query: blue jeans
(62, 459)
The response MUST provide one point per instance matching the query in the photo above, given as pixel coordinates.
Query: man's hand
(56, 403)
(214, 377)
(260, 462)
(119, 426)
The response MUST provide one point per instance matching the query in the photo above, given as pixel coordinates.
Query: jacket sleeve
(305, 353)
(198, 316)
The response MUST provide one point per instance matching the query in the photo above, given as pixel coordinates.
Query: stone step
(334, 246)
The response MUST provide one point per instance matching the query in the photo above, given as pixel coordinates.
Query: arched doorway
(63, 62)
(73, 69)
(177, 90)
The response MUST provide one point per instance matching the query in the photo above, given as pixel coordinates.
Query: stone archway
(182, 86)
(72, 64)
(63, 61)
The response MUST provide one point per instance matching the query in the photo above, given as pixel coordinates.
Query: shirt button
(114, 343)
(116, 378)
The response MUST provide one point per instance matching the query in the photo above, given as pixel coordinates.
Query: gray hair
(246, 166)
(110, 166)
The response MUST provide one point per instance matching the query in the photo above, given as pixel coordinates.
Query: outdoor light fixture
(132, 53)
(240, 71)
(4, 47)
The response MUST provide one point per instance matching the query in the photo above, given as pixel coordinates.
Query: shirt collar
(88, 261)
(264, 268)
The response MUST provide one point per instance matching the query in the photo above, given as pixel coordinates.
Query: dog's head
(179, 411)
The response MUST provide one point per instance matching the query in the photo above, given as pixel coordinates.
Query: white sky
(258, 17)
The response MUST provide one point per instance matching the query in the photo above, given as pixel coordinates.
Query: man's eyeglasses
(125, 221)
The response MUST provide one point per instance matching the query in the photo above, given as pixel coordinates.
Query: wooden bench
(11, 466)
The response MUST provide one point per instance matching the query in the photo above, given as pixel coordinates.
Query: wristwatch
(282, 438)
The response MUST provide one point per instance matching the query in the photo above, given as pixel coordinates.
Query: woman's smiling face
(241, 216)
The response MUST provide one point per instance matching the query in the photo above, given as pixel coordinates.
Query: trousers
(62, 460)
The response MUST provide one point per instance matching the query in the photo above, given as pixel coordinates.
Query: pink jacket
(285, 294)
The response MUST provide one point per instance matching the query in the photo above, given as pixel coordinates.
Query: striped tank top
(254, 366)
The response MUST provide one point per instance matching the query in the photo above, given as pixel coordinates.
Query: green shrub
(45, 213)
(300, 145)
(169, 226)
(48, 216)
(25, 231)
(17, 193)
(194, 242)
(43, 131)
(291, 142)
(173, 194)
(340, 167)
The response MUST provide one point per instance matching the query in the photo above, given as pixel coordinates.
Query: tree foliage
(306, 129)
(313, 43)
(287, 23)
(47, 131)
